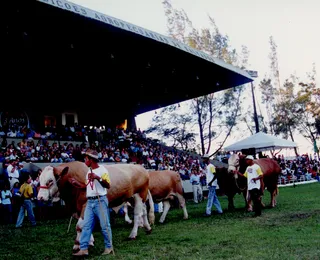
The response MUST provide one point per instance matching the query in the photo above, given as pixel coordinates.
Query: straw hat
(91, 153)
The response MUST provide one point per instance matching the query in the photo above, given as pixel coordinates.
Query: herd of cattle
(128, 181)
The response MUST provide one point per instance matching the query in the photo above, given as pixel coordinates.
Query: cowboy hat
(249, 157)
(91, 153)
(205, 156)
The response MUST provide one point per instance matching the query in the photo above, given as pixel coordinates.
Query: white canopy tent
(261, 142)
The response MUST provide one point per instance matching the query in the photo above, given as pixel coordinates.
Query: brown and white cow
(165, 186)
(68, 182)
(271, 171)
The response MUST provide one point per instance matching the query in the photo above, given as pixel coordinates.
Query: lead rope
(236, 180)
(104, 218)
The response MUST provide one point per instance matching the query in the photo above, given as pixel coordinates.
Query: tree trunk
(200, 127)
(210, 124)
(292, 139)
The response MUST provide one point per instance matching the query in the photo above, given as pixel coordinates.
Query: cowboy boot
(107, 251)
(82, 252)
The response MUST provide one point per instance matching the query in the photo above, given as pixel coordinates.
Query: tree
(274, 65)
(308, 101)
(215, 115)
(174, 127)
(268, 92)
(286, 114)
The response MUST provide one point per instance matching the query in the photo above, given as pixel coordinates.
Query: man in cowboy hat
(212, 185)
(254, 177)
(98, 181)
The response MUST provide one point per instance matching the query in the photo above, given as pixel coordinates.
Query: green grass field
(289, 231)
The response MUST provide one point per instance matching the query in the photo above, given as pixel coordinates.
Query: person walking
(254, 177)
(98, 181)
(212, 185)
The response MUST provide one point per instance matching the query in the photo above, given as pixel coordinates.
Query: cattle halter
(235, 176)
(48, 186)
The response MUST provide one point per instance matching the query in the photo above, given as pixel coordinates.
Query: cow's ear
(58, 173)
(64, 171)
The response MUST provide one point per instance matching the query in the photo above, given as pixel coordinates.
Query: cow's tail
(151, 210)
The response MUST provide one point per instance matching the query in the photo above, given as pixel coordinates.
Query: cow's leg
(151, 210)
(76, 246)
(182, 202)
(126, 215)
(145, 219)
(273, 198)
(230, 202)
(166, 207)
(138, 206)
(248, 201)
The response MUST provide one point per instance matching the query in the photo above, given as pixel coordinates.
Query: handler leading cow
(68, 182)
(271, 171)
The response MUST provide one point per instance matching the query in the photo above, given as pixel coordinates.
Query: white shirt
(253, 172)
(95, 188)
(14, 175)
(211, 170)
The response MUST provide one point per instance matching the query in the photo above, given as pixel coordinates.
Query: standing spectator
(26, 195)
(196, 187)
(6, 196)
(13, 173)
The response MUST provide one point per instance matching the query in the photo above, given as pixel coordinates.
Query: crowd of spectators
(302, 168)
(113, 145)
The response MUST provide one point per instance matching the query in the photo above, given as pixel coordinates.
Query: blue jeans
(95, 209)
(213, 200)
(26, 205)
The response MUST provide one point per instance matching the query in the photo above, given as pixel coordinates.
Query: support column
(131, 123)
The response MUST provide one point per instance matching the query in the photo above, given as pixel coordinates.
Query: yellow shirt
(26, 191)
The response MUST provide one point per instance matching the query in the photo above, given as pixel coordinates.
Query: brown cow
(68, 182)
(271, 171)
(164, 186)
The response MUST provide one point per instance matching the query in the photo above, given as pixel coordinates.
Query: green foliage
(215, 115)
(290, 107)
(289, 231)
(174, 127)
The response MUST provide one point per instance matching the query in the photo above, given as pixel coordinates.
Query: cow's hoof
(185, 218)
(131, 238)
(75, 250)
(148, 232)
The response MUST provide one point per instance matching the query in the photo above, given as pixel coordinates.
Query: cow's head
(49, 184)
(233, 163)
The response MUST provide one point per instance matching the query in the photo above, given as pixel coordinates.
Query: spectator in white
(13, 173)
(6, 196)
(253, 174)
(212, 185)
(196, 187)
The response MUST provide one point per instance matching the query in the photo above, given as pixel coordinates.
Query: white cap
(249, 157)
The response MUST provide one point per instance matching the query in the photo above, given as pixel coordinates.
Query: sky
(293, 24)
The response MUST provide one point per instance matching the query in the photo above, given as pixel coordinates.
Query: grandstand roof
(122, 66)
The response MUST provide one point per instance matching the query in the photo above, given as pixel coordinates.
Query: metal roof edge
(118, 23)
